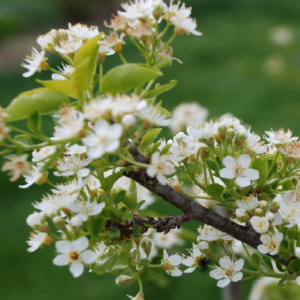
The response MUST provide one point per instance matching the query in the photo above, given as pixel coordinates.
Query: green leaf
(114, 234)
(294, 265)
(144, 262)
(101, 162)
(132, 193)
(63, 86)
(161, 63)
(151, 149)
(105, 264)
(148, 138)
(287, 185)
(108, 182)
(215, 190)
(120, 264)
(23, 139)
(293, 235)
(159, 89)
(165, 149)
(212, 165)
(43, 100)
(127, 77)
(162, 110)
(119, 197)
(97, 225)
(255, 260)
(85, 62)
(34, 123)
(262, 167)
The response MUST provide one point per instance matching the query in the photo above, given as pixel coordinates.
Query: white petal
(61, 260)
(113, 145)
(243, 181)
(229, 162)
(244, 160)
(225, 262)
(176, 272)
(162, 179)
(83, 172)
(278, 237)
(263, 249)
(63, 246)
(238, 265)
(251, 174)
(222, 283)
(265, 238)
(237, 277)
(189, 270)
(151, 171)
(95, 152)
(217, 273)
(298, 280)
(80, 244)
(175, 260)
(88, 256)
(76, 269)
(188, 261)
(226, 173)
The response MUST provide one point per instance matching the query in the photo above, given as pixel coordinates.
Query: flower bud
(133, 253)
(76, 223)
(128, 121)
(297, 252)
(259, 212)
(59, 222)
(157, 12)
(139, 296)
(270, 216)
(229, 135)
(35, 220)
(123, 280)
(222, 132)
(146, 245)
(275, 204)
(263, 204)
(241, 137)
(203, 245)
(242, 215)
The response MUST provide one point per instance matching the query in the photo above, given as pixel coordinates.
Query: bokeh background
(246, 63)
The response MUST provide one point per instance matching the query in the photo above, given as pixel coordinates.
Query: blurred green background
(246, 63)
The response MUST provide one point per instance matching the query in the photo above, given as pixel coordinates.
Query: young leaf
(23, 139)
(148, 138)
(262, 167)
(132, 193)
(294, 265)
(97, 225)
(34, 123)
(41, 99)
(215, 190)
(160, 89)
(105, 264)
(63, 86)
(119, 197)
(127, 77)
(108, 182)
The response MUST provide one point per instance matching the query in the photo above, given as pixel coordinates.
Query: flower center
(74, 255)
(229, 272)
(238, 170)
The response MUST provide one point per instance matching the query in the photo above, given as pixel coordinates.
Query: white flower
(270, 244)
(208, 233)
(16, 165)
(171, 264)
(230, 122)
(260, 224)
(99, 108)
(229, 271)
(36, 240)
(248, 203)
(70, 187)
(194, 260)
(280, 137)
(153, 116)
(254, 144)
(68, 46)
(180, 17)
(83, 32)
(127, 105)
(32, 176)
(168, 240)
(35, 220)
(75, 149)
(73, 253)
(65, 73)
(187, 114)
(93, 183)
(204, 133)
(72, 165)
(103, 139)
(290, 149)
(43, 153)
(290, 213)
(86, 209)
(33, 62)
(239, 170)
(183, 146)
(159, 167)
(140, 9)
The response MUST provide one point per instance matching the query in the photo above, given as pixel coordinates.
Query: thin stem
(166, 44)
(263, 261)
(122, 57)
(273, 163)
(135, 163)
(246, 250)
(147, 88)
(137, 45)
(100, 75)
(193, 177)
(162, 34)
(257, 273)
(28, 133)
(231, 250)
(140, 282)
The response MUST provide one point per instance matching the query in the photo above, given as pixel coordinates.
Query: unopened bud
(133, 253)
(259, 212)
(229, 135)
(76, 223)
(270, 216)
(123, 280)
(146, 245)
(35, 220)
(204, 247)
(157, 12)
(242, 215)
(263, 204)
(241, 137)
(222, 132)
(275, 204)
(297, 252)
(210, 142)
(218, 138)
(128, 121)
(59, 222)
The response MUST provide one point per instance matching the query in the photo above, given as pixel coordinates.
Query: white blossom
(194, 260)
(239, 170)
(209, 234)
(16, 165)
(248, 203)
(270, 244)
(36, 240)
(260, 224)
(167, 241)
(74, 253)
(66, 71)
(33, 62)
(83, 32)
(171, 264)
(33, 175)
(103, 139)
(86, 208)
(229, 271)
(160, 166)
(43, 153)
(70, 187)
(153, 115)
(280, 137)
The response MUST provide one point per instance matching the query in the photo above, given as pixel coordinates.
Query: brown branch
(193, 210)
